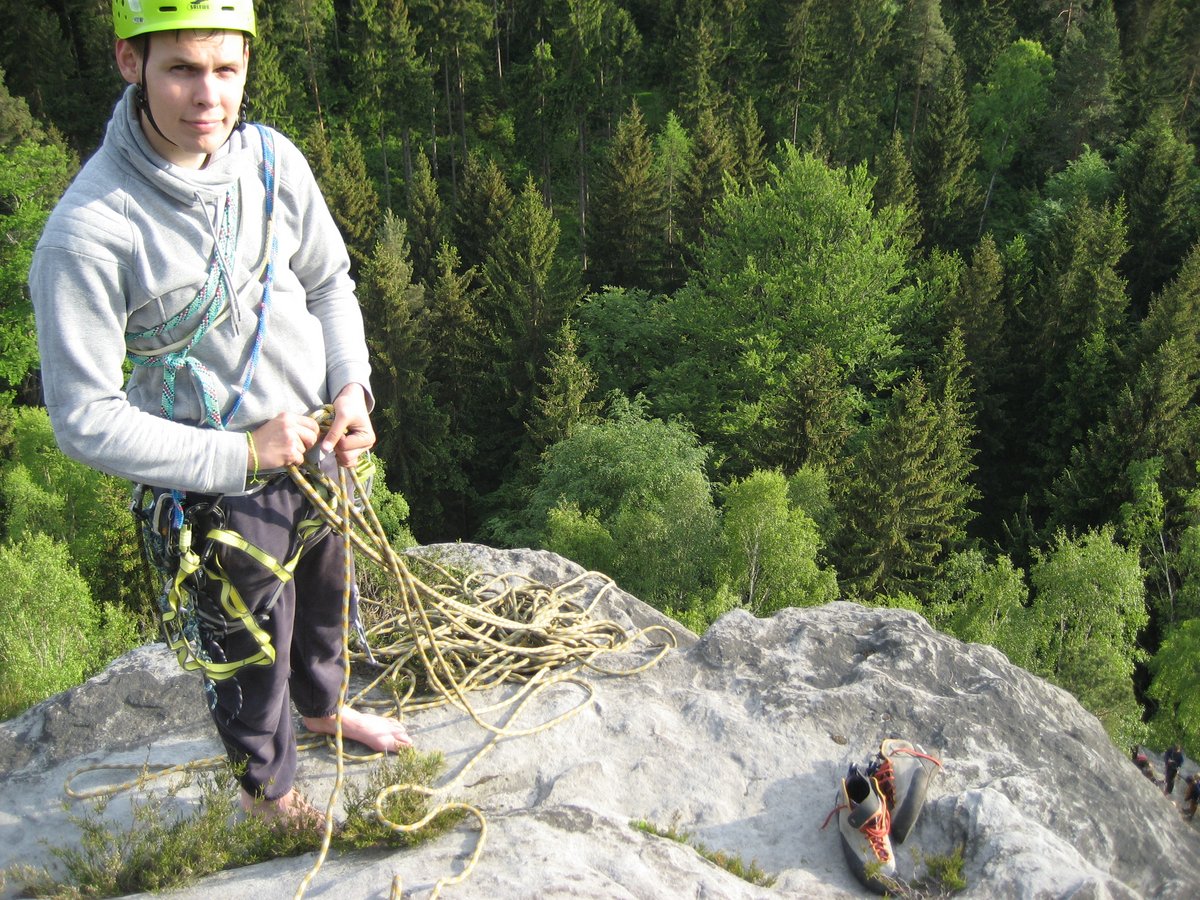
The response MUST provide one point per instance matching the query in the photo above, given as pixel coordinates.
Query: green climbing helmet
(134, 17)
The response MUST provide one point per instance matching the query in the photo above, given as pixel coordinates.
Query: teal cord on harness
(214, 295)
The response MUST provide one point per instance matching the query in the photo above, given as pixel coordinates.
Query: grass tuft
(729, 862)
(170, 845)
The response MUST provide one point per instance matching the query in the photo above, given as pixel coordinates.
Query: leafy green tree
(770, 547)
(1175, 686)
(34, 170)
(53, 635)
(46, 493)
(799, 262)
(1142, 524)
(984, 602)
(672, 161)
(1006, 108)
(1089, 597)
(1187, 560)
(627, 207)
(1156, 172)
(624, 339)
(637, 487)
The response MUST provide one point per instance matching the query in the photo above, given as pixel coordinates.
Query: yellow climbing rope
(444, 638)
(467, 633)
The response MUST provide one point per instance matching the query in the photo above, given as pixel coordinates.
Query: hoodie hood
(126, 136)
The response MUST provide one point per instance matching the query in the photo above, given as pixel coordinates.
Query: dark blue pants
(252, 709)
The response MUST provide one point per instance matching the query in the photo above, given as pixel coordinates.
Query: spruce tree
(1156, 172)
(907, 502)
(562, 402)
(1082, 314)
(412, 433)
(1082, 109)
(896, 187)
(749, 146)
(811, 417)
(627, 207)
(528, 291)
(351, 195)
(485, 201)
(385, 63)
(461, 384)
(942, 159)
(713, 157)
(424, 214)
(1150, 417)
(919, 51)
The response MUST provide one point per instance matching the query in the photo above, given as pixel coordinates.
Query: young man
(204, 251)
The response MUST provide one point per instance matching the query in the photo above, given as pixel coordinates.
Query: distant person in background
(1172, 762)
(1191, 796)
(1142, 761)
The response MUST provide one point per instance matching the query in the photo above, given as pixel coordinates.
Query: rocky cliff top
(739, 739)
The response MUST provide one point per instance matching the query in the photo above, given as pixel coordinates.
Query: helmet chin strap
(143, 98)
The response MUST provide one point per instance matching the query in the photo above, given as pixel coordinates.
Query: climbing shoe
(902, 771)
(864, 823)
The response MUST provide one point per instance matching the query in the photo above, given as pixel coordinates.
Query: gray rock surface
(739, 739)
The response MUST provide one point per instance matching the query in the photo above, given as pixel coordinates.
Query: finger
(308, 431)
(337, 430)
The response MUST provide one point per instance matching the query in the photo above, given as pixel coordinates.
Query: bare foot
(381, 733)
(292, 809)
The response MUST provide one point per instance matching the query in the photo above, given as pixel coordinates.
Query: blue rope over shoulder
(214, 295)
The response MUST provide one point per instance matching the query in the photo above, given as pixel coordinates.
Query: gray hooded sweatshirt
(128, 247)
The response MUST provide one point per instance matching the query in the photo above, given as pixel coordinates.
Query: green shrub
(52, 634)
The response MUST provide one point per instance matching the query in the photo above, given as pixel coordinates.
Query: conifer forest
(747, 303)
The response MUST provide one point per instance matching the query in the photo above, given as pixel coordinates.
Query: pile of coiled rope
(443, 638)
(463, 634)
